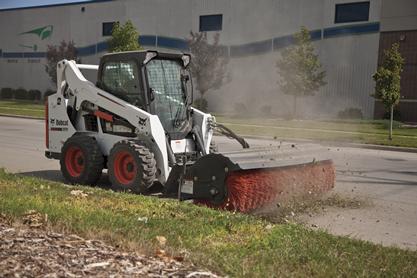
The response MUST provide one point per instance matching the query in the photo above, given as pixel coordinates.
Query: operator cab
(159, 83)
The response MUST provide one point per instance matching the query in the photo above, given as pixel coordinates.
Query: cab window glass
(122, 80)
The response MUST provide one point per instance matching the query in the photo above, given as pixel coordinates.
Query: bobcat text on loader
(137, 121)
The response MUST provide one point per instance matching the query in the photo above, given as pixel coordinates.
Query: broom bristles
(252, 189)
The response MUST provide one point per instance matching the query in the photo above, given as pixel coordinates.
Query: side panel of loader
(59, 124)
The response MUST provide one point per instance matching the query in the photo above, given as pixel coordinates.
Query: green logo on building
(42, 32)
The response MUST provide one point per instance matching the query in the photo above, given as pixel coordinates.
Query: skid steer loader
(137, 121)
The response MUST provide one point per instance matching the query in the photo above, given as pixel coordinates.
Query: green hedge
(34, 95)
(20, 94)
(6, 93)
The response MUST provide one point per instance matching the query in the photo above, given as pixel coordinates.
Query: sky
(10, 4)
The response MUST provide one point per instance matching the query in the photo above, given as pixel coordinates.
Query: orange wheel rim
(75, 161)
(125, 167)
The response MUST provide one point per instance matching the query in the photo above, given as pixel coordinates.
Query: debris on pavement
(29, 252)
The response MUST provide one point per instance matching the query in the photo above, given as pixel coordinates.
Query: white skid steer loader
(137, 121)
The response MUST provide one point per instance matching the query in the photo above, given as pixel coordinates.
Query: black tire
(81, 160)
(131, 166)
(213, 147)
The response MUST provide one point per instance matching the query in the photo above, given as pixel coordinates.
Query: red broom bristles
(252, 189)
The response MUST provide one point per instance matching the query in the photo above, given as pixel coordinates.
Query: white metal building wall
(349, 59)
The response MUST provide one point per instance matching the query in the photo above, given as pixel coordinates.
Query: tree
(299, 69)
(388, 80)
(124, 37)
(54, 54)
(208, 65)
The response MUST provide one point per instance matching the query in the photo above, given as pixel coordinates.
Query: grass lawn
(22, 108)
(227, 243)
(368, 132)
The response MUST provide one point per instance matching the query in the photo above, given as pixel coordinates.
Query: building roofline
(55, 5)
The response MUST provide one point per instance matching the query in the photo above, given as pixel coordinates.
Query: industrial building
(349, 36)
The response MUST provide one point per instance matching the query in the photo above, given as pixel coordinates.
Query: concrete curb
(383, 148)
(331, 143)
(337, 144)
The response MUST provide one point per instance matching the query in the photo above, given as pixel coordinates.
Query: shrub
(6, 93)
(54, 54)
(34, 95)
(350, 113)
(20, 94)
(208, 66)
(201, 104)
(48, 93)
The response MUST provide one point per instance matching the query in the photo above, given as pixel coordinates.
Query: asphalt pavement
(387, 178)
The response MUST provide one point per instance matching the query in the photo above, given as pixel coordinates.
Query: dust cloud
(253, 90)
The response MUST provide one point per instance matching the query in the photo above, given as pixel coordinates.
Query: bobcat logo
(142, 121)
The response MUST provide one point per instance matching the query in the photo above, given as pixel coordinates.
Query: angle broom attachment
(252, 189)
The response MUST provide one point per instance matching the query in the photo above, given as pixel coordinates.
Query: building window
(107, 28)
(211, 22)
(352, 12)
